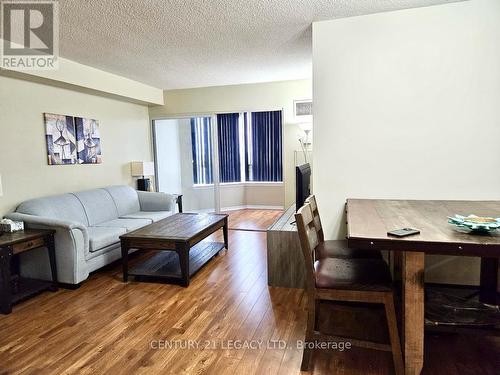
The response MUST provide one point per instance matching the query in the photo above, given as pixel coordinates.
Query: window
(250, 147)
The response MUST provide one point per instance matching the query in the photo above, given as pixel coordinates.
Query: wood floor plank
(108, 327)
(256, 220)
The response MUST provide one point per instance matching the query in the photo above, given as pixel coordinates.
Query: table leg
(125, 262)
(5, 287)
(179, 203)
(413, 311)
(183, 253)
(52, 260)
(224, 231)
(489, 281)
(397, 265)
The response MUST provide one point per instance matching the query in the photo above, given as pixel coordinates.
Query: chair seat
(352, 274)
(339, 249)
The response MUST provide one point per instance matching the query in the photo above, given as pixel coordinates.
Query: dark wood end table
(13, 288)
(182, 233)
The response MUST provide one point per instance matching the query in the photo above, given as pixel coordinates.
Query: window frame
(215, 160)
(245, 144)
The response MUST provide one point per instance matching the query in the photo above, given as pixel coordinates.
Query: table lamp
(142, 169)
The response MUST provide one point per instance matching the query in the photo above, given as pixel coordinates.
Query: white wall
(125, 136)
(407, 105)
(249, 97)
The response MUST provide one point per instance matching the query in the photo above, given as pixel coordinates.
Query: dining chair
(366, 281)
(335, 248)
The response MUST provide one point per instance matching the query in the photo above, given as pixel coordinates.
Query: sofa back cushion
(64, 207)
(125, 198)
(98, 205)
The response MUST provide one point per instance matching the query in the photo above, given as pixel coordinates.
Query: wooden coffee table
(181, 233)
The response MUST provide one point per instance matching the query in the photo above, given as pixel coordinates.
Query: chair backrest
(317, 220)
(308, 240)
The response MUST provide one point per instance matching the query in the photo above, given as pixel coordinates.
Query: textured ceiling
(179, 44)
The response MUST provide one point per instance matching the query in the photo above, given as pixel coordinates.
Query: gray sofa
(88, 225)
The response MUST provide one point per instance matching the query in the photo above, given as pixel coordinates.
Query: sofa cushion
(100, 237)
(65, 207)
(98, 205)
(128, 224)
(152, 215)
(125, 199)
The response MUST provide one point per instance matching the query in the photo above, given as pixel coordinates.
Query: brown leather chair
(335, 248)
(348, 280)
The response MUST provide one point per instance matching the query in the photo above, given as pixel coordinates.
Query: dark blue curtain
(229, 147)
(265, 152)
(201, 142)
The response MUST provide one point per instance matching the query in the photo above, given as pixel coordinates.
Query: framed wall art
(88, 141)
(60, 135)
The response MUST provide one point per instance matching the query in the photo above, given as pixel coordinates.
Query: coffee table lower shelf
(165, 265)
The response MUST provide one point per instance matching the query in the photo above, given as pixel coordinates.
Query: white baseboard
(252, 206)
(235, 208)
(263, 207)
(203, 211)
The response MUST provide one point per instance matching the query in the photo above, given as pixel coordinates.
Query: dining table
(368, 224)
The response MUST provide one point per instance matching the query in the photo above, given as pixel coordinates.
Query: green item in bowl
(475, 223)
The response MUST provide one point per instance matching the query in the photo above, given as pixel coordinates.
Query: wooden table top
(178, 227)
(369, 220)
(9, 239)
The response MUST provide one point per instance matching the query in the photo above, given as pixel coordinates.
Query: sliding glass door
(184, 155)
(224, 162)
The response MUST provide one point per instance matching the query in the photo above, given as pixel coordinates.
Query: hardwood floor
(254, 220)
(107, 326)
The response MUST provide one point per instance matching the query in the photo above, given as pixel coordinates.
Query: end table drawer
(20, 247)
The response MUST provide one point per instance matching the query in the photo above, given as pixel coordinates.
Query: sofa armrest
(46, 221)
(52, 223)
(150, 201)
(72, 245)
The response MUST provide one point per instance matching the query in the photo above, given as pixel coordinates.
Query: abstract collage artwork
(88, 141)
(72, 140)
(61, 139)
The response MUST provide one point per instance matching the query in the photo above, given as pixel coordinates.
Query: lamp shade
(306, 126)
(142, 168)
